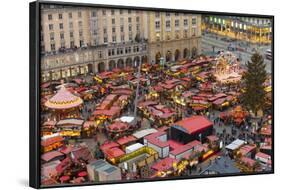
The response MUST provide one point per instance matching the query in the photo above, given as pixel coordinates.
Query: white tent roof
(134, 147)
(127, 119)
(143, 133)
(235, 144)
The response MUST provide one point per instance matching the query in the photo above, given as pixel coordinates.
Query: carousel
(64, 104)
(227, 68)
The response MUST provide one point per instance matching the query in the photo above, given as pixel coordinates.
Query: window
(62, 36)
(121, 28)
(105, 40)
(157, 14)
(51, 27)
(50, 17)
(42, 48)
(185, 34)
(157, 24)
(135, 49)
(72, 44)
(113, 21)
(80, 33)
(112, 12)
(185, 22)
(177, 23)
(70, 15)
(177, 14)
(109, 52)
(129, 19)
(70, 25)
(79, 14)
(193, 31)
(168, 24)
(94, 13)
(129, 11)
(193, 21)
(130, 28)
(113, 29)
(130, 37)
(137, 27)
(120, 11)
(168, 14)
(122, 38)
(62, 44)
(80, 24)
(100, 54)
(61, 25)
(104, 30)
(137, 19)
(71, 34)
(103, 12)
(60, 16)
(113, 38)
(53, 47)
(122, 21)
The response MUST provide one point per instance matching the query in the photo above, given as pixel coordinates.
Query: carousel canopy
(63, 99)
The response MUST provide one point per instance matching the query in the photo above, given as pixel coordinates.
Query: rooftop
(194, 124)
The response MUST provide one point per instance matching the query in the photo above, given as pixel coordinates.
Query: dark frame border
(34, 90)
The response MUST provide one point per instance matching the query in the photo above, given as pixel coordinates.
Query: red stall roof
(51, 140)
(51, 155)
(185, 147)
(114, 152)
(194, 124)
(246, 149)
(126, 139)
(263, 155)
(108, 145)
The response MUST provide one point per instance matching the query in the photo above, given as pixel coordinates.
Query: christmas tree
(253, 97)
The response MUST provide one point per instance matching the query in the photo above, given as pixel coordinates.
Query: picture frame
(179, 137)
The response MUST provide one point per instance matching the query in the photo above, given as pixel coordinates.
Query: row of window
(114, 39)
(71, 35)
(113, 29)
(112, 12)
(80, 25)
(128, 50)
(177, 35)
(177, 23)
(157, 14)
(60, 15)
(122, 20)
(62, 45)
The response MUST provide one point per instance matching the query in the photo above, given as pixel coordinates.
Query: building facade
(78, 41)
(64, 28)
(253, 30)
(173, 36)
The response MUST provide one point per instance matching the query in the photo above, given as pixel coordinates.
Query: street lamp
(138, 84)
